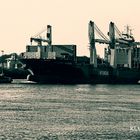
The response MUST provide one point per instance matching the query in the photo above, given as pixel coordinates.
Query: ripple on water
(62, 112)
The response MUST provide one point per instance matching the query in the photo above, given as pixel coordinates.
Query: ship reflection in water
(62, 112)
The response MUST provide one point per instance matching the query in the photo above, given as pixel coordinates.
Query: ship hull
(65, 72)
(56, 71)
(115, 76)
(126, 75)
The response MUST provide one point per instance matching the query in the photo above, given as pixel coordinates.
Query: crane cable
(118, 32)
(38, 34)
(100, 33)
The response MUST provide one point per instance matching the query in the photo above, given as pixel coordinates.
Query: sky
(21, 19)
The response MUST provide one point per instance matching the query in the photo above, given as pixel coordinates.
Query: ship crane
(117, 37)
(103, 39)
(119, 45)
(37, 38)
(92, 40)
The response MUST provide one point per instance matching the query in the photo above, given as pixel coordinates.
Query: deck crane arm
(39, 40)
(92, 40)
(117, 37)
(103, 39)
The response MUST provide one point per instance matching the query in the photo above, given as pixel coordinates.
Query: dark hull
(109, 75)
(53, 71)
(65, 72)
(125, 75)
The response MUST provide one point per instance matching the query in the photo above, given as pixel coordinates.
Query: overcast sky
(21, 19)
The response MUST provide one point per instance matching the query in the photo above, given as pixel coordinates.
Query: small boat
(5, 79)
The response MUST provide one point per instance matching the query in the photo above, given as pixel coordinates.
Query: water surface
(69, 112)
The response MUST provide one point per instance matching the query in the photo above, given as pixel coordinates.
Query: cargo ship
(48, 63)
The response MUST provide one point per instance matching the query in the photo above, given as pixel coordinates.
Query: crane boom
(102, 41)
(39, 40)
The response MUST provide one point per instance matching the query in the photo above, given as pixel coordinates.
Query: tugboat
(5, 79)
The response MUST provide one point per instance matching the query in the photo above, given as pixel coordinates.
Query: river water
(69, 112)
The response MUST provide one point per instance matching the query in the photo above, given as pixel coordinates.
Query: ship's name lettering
(105, 73)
